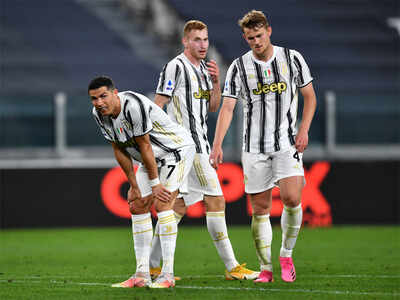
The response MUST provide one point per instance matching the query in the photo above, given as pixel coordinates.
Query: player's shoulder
(177, 61)
(130, 99)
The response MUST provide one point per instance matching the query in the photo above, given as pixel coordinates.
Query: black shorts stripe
(278, 108)
(192, 122)
(262, 123)
(243, 76)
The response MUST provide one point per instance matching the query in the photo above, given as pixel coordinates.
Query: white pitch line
(306, 291)
(208, 276)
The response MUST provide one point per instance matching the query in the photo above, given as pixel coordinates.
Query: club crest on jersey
(126, 124)
(283, 67)
(270, 88)
(202, 94)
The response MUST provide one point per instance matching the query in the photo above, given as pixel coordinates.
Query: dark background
(357, 192)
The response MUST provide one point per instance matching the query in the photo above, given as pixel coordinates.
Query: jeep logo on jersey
(202, 94)
(267, 88)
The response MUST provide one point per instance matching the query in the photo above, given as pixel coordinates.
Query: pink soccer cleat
(288, 272)
(137, 280)
(163, 281)
(265, 276)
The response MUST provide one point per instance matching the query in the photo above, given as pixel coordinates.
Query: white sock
(216, 226)
(156, 254)
(262, 236)
(290, 222)
(142, 230)
(168, 231)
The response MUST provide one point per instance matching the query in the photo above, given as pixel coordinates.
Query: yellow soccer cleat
(241, 273)
(155, 272)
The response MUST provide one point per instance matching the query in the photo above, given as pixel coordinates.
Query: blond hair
(193, 25)
(253, 19)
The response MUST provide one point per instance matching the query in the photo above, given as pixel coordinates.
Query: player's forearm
(161, 100)
(149, 161)
(126, 164)
(310, 104)
(223, 123)
(215, 97)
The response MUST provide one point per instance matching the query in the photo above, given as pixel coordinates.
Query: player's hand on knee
(160, 193)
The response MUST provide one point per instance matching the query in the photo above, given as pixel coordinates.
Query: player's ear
(115, 91)
(184, 42)
(269, 31)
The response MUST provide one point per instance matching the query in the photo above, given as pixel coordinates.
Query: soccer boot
(240, 273)
(163, 281)
(136, 280)
(155, 272)
(265, 276)
(288, 272)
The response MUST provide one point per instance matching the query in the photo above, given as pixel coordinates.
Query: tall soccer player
(190, 88)
(138, 129)
(267, 80)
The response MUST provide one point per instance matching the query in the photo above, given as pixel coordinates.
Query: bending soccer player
(140, 130)
(190, 88)
(267, 79)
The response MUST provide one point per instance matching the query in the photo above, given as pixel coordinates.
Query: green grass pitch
(342, 262)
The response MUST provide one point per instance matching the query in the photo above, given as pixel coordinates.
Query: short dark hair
(100, 81)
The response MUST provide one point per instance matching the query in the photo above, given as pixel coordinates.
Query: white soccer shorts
(263, 171)
(172, 174)
(202, 180)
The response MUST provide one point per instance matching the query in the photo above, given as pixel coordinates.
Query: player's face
(196, 43)
(258, 39)
(105, 101)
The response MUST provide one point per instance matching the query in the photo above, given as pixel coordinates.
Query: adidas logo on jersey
(267, 88)
(202, 94)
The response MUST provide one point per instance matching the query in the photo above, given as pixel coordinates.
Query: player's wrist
(154, 182)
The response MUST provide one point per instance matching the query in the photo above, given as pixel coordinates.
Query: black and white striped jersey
(269, 91)
(189, 89)
(138, 116)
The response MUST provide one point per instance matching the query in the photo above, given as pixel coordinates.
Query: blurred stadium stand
(51, 46)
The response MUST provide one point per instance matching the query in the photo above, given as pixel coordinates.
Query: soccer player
(189, 88)
(140, 130)
(267, 79)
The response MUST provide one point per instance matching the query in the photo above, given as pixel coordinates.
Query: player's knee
(180, 207)
(213, 203)
(291, 199)
(141, 206)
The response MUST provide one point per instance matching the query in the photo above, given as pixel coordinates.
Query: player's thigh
(179, 206)
(258, 172)
(202, 180)
(173, 173)
(289, 175)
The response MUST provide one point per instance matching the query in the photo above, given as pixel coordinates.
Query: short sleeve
(169, 78)
(232, 82)
(302, 74)
(137, 112)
